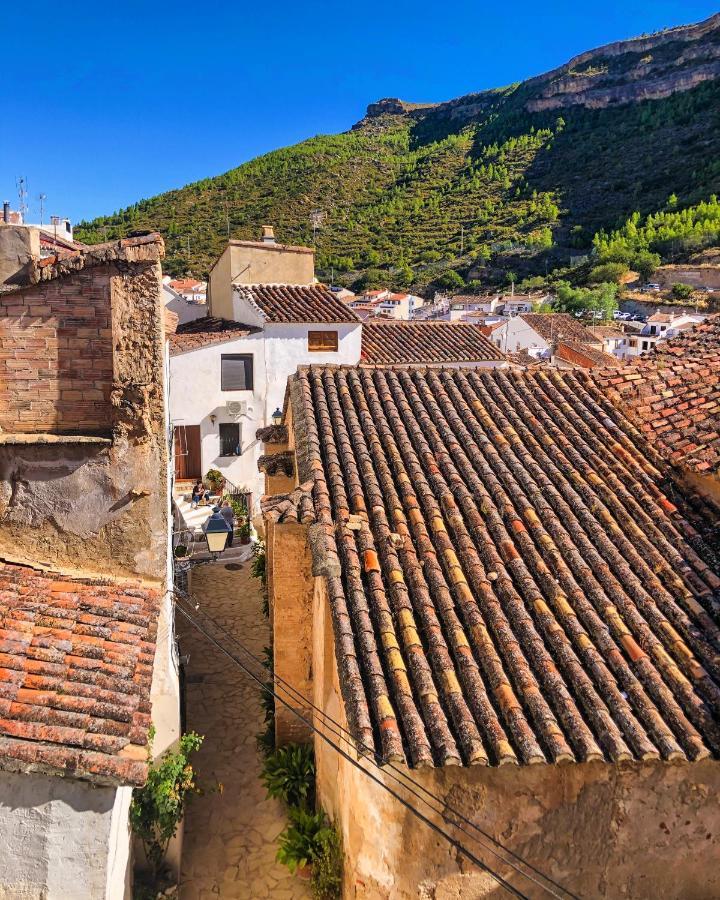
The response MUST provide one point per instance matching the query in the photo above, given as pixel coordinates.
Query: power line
(416, 812)
(344, 734)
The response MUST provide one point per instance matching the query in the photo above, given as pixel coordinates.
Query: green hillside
(519, 179)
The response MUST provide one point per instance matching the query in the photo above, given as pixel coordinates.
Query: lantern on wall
(216, 535)
(277, 417)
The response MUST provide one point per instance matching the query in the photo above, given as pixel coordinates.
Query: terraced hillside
(516, 179)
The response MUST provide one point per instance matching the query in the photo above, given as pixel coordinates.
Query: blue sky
(102, 104)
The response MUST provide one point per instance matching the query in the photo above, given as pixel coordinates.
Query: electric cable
(446, 811)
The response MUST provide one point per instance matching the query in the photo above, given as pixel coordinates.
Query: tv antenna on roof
(21, 185)
(42, 198)
(317, 217)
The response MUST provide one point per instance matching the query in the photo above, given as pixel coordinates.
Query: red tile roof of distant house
(186, 284)
(205, 331)
(673, 396)
(584, 355)
(296, 303)
(558, 326)
(398, 342)
(509, 575)
(76, 663)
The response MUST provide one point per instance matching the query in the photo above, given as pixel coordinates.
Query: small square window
(236, 372)
(322, 341)
(229, 439)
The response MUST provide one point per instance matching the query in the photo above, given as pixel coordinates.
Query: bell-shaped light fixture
(216, 535)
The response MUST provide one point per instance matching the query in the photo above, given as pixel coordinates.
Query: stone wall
(290, 586)
(640, 830)
(97, 504)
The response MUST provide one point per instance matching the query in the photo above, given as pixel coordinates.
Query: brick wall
(56, 363)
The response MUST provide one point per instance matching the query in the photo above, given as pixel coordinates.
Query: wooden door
(188, 463)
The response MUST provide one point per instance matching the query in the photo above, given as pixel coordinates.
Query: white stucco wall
(195, 389)
(516, 335)
(63, 839)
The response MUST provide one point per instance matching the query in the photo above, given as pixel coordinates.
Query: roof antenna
(21, 185)
(42, 198)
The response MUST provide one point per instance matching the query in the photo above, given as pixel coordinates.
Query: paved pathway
(230, 838)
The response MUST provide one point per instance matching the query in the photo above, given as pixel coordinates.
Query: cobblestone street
(230, 837)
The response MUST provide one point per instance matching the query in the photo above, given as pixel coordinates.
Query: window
(645, 345)
(236, 372)
(632, 342)
(322, 341)
(229, 439)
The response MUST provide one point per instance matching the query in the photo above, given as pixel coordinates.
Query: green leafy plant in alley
(158, 807)
(289, 775)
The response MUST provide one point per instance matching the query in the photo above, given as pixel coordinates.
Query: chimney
(6, 212)
(268, 234)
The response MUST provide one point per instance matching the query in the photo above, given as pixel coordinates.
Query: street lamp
(216, 535)
(277, 417)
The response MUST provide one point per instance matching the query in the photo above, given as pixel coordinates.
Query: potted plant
(303, 841)
(181, 553)
(214, 478)
(244, 531)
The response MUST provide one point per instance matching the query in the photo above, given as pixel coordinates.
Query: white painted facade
(277, 350)
(63, 839)
(658, 328)
(185, 309)
(515, 334)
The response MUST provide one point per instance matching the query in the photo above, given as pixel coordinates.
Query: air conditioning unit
(236, 408)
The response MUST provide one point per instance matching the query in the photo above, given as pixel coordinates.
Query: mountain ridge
(464, 178)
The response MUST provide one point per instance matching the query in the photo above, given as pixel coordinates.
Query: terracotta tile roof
(396, 342)
(297, 506)
(297, 303)
(606, 332)
(76, 662)
(186, 284)
(516, 586)
(525, 358)
(585, 355)
(673, 396)
(206, 331)
(558, 326)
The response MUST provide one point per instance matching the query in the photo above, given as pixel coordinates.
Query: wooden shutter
(322, 341)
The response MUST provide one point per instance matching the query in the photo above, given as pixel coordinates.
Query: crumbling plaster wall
(101, 506)
(640, 830)
(63, 839)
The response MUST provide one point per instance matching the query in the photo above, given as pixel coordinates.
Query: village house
(538, 333)
(673, 396)
(612, 338)
(501, 589)
(661, 326)
(228, 374)
(87, 656)
(187, 305)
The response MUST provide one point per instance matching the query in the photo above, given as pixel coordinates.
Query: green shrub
(157, 808)
(327, 873)
(610, 271)
(303, 840)
(682, 291)
(258, 567)
(289, 775)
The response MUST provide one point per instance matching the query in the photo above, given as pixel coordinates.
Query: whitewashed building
(228, 377)
(659, 327)
(538, 333)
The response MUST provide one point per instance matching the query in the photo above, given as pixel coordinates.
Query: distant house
(462, 305)
(189, 288)
(539, 332)
(516, 304)
(659, 327)
(612, 338)
(186, 306)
